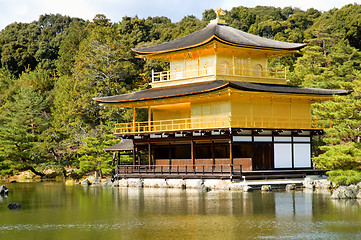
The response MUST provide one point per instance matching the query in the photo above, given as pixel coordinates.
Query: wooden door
(262, 156)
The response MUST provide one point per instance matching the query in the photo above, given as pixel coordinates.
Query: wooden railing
(211, 70)
(219, 122)
(179, 170)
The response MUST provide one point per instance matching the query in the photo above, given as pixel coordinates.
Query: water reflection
(191, 201)
(79, 212)
(3, 198)
(296, 205)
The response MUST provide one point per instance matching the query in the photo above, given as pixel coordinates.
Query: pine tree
(93, 157)
(343, 138)
(21, 123)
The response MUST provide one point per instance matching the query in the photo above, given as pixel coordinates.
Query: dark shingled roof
(198, 88)
(124, 145)
(223, 33)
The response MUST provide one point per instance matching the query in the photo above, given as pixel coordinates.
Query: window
(242, 150)
(225, 68)
(178, 72)
(161, 152)
(203, 150)
(208, 69)
(221, 150)
(242, 66)
(192, 67)
(258, 70)
(180, 151)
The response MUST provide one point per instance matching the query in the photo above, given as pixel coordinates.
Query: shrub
(344, 177)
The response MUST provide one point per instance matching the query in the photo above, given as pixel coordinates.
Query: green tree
(21, 123)
(188, 25)
(63, 137)
(6, 80)
(343, 138)
(93, 157)
(327, 62)
(53, 29)
(101, 68)
(344, 22)
(69, 47)
(18, 43)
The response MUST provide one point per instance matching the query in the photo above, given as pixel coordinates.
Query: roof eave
(209, 40)
(160, 97)
(215, 88)
(172, 50)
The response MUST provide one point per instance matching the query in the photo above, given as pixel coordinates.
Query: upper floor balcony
(217, 123)
(257, 74)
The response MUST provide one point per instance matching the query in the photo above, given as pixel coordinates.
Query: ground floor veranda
(221, 153)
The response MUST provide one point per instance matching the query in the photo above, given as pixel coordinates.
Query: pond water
(55, 211)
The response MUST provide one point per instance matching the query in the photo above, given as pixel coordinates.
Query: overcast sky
(30, 10)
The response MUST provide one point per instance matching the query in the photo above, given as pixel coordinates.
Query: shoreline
(310, 183)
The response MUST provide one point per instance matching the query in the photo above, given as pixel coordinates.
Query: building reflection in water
(197, 202)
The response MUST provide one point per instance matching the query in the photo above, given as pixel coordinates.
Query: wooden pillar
(149, 154)
(118, 158)
(212, 151)
(133, 119)
(231, 150)
(192, 152)
(169, 154)
(134, 155)
(149, 118)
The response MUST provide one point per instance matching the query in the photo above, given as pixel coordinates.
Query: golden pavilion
(219, 111)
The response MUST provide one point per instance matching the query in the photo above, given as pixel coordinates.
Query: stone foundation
(311, 182)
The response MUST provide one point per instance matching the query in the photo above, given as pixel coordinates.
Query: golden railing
(211, 70)
(218, 122)
(279, 123)
(173, 125)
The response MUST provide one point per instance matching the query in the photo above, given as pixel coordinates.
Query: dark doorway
(141, 155)
(262, 156)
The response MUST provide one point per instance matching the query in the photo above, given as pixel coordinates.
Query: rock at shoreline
(14, 205)
(309, 183)
(134, 182)
(343, 192)
(247, 188)
(237, 186)
(3, 190)
(358, 196)
(323, 184)
(116, 183)
(96, 181)
(85, 182)
(107, 183)
(290, 187)
(176, 183)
